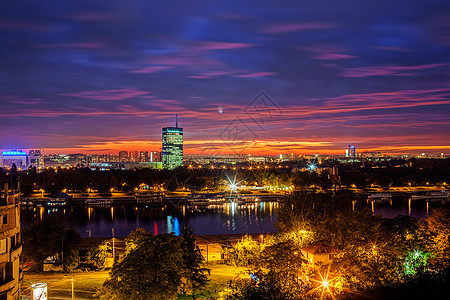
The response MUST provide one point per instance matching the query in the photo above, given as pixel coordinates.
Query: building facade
(10, 244)
(17, 157)
(35, 158)
(123, 156)
(143, 156)
(172, 147)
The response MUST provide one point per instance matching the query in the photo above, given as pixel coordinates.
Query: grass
(59, 285)
(87, 283)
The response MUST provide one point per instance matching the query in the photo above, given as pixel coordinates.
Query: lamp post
(296, 254)
(72, 281)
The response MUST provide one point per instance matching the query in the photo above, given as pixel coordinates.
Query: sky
(257, 77)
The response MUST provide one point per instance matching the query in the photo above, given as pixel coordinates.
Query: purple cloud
(93, 16)
(257, 74)
(220, 45)
(387, 70)
(109, 95)
(6, 25)
(293, 27)
(150, 69)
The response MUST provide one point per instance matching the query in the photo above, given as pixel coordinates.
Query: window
(5, 219)
(13, 242)
(3, 245)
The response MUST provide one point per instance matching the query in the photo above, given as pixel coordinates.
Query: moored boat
(441, 195)
(379, 196)
(59, 200)
(147, 198)
(98, 202)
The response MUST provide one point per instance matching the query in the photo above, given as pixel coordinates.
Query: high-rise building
(134, 156)
(143, 156)
(10, 243)
(350, 151)
(123, 156)
(172, 146)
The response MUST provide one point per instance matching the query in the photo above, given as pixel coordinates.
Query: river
(220, 219)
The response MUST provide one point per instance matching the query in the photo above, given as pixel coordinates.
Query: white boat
(205, 199)
(98, 202)
(379, 196)
(443, 194)
(197, 199)
(249, 198)
(147, 198)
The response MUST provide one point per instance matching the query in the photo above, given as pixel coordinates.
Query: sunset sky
(261, 77)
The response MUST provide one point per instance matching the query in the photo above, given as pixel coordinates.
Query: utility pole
(207, 256)
(114, 251)
(73, 294)
(62, 251)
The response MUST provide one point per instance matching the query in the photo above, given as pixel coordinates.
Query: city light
(312, 167)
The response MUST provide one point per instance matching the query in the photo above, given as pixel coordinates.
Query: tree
(284, 255)
(152, 270)
(263, 285)
(439, 235)
(245, 253)
(135, 238)
(96, 256)
(194, 276)
(48, 237)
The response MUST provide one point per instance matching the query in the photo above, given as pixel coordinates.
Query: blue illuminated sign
(13, 153)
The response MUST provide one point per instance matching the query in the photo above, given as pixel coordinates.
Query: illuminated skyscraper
(172, 146)
(350, 151)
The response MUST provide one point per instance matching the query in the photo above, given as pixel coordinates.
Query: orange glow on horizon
(237, 147)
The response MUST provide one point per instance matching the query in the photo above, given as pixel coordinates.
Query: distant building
(142, 165)
(350, 151)
(17, 157)
(143, 156)
(35, 158)
(123, 156)
(134, 156)
(172, 147)
(371, 154)
(155, 156)
(106, 166)
(216, 158)
(10, 244)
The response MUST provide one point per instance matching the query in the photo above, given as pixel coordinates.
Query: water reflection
(228, 218)
(405, 206)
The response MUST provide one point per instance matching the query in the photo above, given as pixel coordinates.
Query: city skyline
(254, 78)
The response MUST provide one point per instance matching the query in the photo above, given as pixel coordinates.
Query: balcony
(16, 252)
(8, 284)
